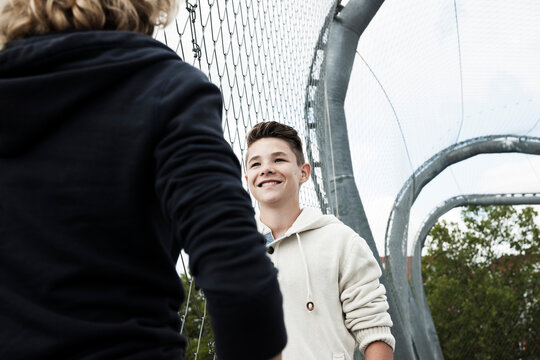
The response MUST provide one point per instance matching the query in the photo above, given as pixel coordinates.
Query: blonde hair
(22, 18)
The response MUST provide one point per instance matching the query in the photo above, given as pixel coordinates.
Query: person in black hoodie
(112, 160)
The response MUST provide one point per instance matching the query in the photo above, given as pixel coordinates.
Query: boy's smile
(267, 183)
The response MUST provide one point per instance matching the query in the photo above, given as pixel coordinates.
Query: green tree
(196, 323)
(482, 282)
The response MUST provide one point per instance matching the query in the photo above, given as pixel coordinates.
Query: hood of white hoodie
(309, 219)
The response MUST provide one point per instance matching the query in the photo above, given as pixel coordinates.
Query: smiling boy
(329, 278)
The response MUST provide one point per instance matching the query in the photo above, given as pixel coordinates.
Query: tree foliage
(482, 282)
(196, 323)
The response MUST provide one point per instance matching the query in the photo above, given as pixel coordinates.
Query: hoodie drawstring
(309, 304)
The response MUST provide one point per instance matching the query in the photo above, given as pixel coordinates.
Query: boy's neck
(279, 220)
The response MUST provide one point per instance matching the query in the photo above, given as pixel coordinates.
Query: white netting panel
(427, 76)
(430, 74)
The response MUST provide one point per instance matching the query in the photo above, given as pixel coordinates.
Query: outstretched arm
(198, 182)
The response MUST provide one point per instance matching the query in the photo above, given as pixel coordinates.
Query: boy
(329, 278)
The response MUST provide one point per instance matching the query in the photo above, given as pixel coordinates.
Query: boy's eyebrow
(279, 153)
(253, 158)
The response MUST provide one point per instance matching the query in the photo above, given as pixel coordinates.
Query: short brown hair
(22, 18)
(273, 129)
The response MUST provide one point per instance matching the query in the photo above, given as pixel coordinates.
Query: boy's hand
(379, 350)
(277, 357)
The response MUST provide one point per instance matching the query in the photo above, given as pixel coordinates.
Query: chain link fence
(267, 59)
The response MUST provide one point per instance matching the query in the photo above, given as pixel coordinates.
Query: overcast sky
(411, 50)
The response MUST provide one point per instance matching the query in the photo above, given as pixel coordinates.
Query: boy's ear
(245, 177)
(305, 172)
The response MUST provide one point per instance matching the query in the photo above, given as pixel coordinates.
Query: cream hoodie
(324, 265)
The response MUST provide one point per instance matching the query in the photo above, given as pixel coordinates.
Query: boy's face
(273, 175)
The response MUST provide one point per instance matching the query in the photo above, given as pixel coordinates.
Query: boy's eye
(254, 164)
(278, 159)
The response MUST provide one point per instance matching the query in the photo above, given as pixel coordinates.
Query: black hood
(46, 78)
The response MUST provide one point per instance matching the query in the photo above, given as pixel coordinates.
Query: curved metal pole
(315, 121)
(396, 232)
(342, 192)
(416, 266)
(349, 23)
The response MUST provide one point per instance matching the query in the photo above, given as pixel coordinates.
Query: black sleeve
(199, 186)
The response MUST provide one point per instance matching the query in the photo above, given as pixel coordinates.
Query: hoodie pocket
(338, 356)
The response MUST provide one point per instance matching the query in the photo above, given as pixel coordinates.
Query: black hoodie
(112, 159)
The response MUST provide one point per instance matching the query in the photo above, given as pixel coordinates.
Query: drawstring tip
(310, 306)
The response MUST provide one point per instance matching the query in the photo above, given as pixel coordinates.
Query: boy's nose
(267, 169)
